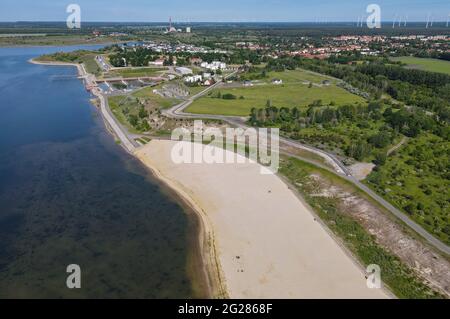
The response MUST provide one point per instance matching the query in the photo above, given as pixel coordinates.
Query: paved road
(128, 143)
(178, 112)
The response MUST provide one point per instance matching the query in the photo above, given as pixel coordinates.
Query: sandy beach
(261, 241)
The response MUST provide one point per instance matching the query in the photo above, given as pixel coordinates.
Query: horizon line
(213, 22)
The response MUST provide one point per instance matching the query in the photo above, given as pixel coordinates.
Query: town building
(214, 66)
(183, 71)
(193, 79)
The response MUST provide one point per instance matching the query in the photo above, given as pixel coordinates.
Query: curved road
(178, 112)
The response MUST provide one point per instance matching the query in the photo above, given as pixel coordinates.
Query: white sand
(267, 241)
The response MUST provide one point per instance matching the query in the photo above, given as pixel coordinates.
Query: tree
(145, 127)
(380, 158)
(254, 116)
(374, 106)
(170, 61)
(380, 140)
(229, 96)
(133, 119)
(143, 113)
(359, 150)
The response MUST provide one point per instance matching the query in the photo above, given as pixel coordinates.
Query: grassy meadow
(295, 91)
(432, 65)
(136, 72)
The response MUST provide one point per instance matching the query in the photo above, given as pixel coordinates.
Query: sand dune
(267, 242)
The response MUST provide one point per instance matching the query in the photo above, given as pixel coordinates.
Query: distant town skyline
(223, 11)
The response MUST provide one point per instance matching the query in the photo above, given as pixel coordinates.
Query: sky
(221, 10)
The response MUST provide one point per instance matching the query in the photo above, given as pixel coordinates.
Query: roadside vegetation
(354, 131)
(416, 179)
(400, 279)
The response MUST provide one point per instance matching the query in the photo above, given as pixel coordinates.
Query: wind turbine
(448, 18)
(395, 19)
(428, 20)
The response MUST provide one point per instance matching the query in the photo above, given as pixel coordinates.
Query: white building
(214, 66)
(183, 71)
(193, 79)
(188, 30)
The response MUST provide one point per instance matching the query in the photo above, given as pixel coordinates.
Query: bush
(229, 96)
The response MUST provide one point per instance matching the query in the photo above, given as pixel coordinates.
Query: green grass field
(91, 65)
(195, 89)
(155, 99)
(133, 73)
(298, 76)
(432, 65)
(80, 56)
(294, 92)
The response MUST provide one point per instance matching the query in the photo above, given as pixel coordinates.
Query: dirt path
(396, 147)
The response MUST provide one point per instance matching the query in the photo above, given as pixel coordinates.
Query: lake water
(70, 195)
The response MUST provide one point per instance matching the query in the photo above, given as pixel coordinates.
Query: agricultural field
(417, 180)
(432, 65)
(299, 89)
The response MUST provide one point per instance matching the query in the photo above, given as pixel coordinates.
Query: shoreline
(220, 226)
(90, 82)
(205, 234)
(215, 278)
(209, 276)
